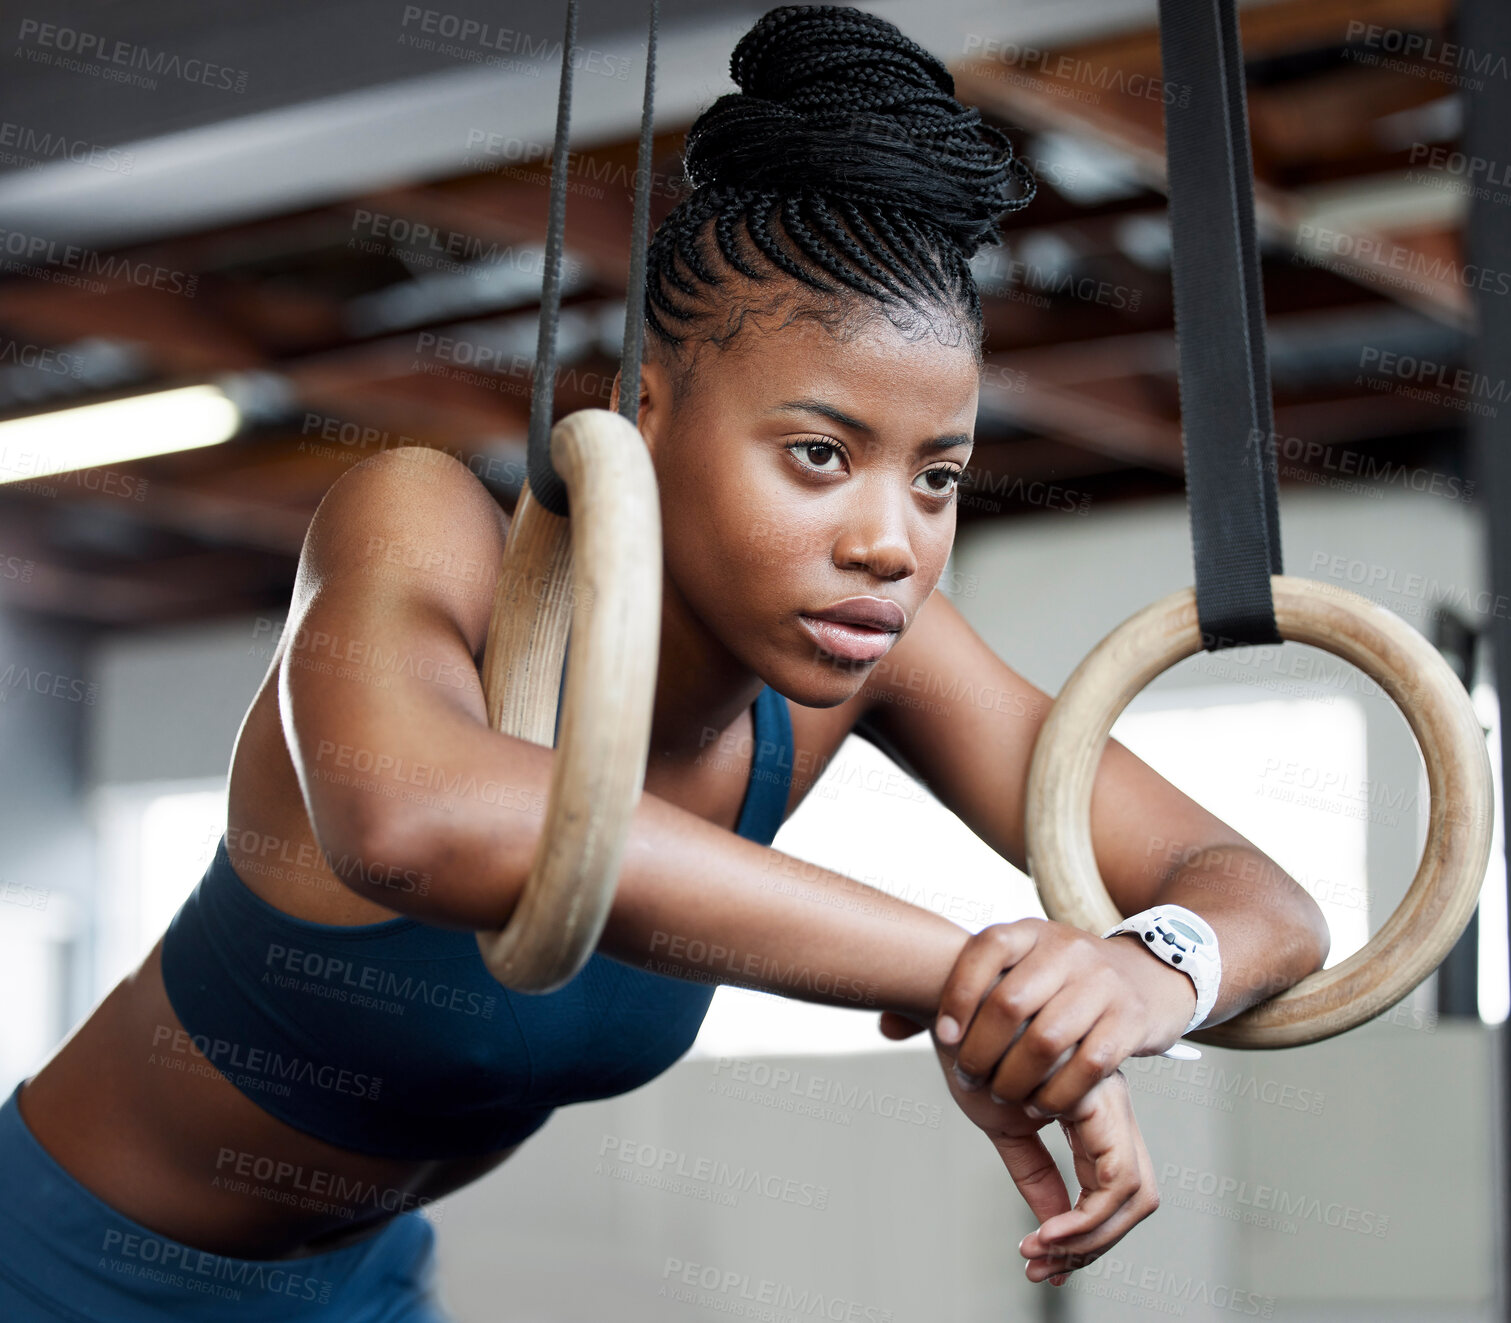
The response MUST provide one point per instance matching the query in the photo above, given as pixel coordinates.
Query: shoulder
(411, 519)
(413, 486)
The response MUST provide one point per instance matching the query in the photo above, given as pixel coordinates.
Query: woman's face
(801, 470)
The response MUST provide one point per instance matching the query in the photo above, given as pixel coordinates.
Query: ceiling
(355, 241)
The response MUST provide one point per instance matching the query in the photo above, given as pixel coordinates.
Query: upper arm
(390, 608)
(966, 724)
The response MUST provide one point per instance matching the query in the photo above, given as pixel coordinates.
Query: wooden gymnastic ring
(600, 571)
(1444, 892)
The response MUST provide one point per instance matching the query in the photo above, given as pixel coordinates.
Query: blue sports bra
(393, 1038)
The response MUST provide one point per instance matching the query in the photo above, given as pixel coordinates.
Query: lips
(859, 629)
(872, 612)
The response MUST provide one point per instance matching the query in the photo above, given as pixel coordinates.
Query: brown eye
(826, 450)
(950, 479)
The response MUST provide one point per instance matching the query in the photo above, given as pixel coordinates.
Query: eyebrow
(839, 416)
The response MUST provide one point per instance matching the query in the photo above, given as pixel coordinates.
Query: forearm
(693, 900)
(696, 901)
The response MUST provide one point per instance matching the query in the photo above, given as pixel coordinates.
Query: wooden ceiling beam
(597, 229)
(1332, 116)
(86, 585)
(215, 519)
(1117, 395)
(457, 227)
(1372, 255)
(177, 332)
(1267, 30)
(102, 599)
(1114, 426)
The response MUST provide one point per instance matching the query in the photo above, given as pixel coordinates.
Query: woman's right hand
(1118, 1188)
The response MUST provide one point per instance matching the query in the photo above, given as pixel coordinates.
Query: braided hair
(845, 165)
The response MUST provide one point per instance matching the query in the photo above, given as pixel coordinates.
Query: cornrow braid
(843, 171)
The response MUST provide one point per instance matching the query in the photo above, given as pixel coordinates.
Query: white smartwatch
(1185, 940)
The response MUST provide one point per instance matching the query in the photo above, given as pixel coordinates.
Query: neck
(701, 687)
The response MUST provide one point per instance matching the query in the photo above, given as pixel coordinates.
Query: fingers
(1004, 1012)
(1063, 1254)
(979, 965)
(1033, 1170)
(1025, 1000)
(1083, 1056)
(1065, 1048)
(1062, 1035)
(1118, 1185)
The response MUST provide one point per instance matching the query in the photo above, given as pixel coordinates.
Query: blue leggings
(67, 1255)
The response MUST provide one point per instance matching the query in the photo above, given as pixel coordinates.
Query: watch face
(1186, 929)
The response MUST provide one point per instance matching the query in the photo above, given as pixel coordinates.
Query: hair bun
(838, 101)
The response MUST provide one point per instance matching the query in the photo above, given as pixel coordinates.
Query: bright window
(867, 820)
(1284, 773)
(179, 834)
(39, 931)
(156, 840)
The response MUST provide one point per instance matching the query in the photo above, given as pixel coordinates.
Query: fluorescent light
(115, 431)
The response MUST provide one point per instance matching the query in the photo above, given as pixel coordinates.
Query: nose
(874, 535)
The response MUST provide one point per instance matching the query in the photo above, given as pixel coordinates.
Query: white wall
(172, 700)
(1052, 586)
(923, 1224)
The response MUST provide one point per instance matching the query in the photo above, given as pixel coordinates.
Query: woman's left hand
(1039, 1012)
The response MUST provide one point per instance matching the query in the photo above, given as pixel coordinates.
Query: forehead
(867, 366)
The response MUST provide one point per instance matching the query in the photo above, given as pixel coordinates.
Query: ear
(655, 399)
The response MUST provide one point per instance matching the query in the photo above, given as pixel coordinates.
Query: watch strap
(1200, 961)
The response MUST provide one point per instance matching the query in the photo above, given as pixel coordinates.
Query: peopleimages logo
(742, 1295)
(49, 684)
(35, 146)
(366, 984)
(1425, 372)
(821, 1096)
(158, 1259)
(260, 1066)
(702, 1177)
(119, 61)
(38, 254)
(1387, 259)
(1447, 55)
(310, 1188)
(1257, 1198)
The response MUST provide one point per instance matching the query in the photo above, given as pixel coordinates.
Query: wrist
(921, 987)
(1169, 993)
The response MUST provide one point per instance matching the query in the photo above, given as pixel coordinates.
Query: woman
(315, 1048)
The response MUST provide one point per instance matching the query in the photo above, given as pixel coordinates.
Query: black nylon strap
(1226, 410)
(545, 484)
